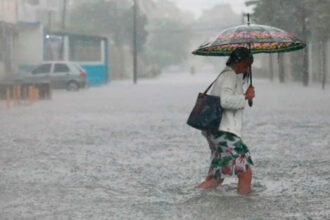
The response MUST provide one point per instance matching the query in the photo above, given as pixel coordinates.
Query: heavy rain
(95, 96)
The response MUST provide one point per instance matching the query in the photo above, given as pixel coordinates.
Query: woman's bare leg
(244, 182)
(210, 182)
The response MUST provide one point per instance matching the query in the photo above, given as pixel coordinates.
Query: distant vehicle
(62, 75)
(91, 52)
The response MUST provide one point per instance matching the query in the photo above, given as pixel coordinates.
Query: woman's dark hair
(238, 55)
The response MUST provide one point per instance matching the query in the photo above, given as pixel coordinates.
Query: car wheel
(73, 86)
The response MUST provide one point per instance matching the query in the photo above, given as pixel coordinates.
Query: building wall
(44, 11)
(8, 38)
(13, 11)
(8, 11)
(30, 45)
(23, 44)
(8, 17)
(26, 12)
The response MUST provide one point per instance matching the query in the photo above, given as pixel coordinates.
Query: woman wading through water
(229, 155)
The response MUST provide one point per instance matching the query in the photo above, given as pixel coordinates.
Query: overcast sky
(197, 6)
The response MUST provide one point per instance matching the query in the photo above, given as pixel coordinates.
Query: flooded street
(125, 152)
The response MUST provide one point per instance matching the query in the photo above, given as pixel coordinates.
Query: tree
(288, 15)
(211, 23)
(169, 35)
(308, 19)
(320, 27)
(168, 44)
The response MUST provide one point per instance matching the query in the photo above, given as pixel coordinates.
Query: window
(61, 68)
(85, 49)
(45, 68)
(54, 47)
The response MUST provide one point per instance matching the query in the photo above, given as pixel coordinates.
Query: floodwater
(124, 152)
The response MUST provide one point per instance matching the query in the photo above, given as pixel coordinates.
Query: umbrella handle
(250, 74)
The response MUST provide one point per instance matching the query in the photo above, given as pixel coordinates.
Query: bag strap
(208, 88)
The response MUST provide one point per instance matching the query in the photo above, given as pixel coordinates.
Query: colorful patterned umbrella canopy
(259, 38)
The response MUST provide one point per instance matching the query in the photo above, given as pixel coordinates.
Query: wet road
(125, 152)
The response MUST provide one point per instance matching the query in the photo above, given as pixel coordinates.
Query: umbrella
(258, 38)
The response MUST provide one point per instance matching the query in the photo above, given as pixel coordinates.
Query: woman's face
(243, 66)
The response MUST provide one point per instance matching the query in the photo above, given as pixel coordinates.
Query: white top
(229, 86)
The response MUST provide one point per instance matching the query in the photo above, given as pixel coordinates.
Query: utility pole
(304, 34)
(64, 14)
(135, 42)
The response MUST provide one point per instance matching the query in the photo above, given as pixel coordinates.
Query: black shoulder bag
(207, 112)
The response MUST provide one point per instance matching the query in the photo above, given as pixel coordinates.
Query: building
(22, 31)
(29, 35)
(8, 11)
(8, 37)
(47, 12)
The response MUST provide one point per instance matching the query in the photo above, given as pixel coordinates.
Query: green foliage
(291, 15)
(163, 35)
(279, 13)
(169, 35)
(168, 43)
(319, 21)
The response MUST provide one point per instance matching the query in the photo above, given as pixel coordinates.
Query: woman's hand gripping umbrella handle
(250, 94)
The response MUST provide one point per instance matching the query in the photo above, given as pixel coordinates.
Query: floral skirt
(229, 155)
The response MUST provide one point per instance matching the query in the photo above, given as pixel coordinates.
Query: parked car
(62, 75)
